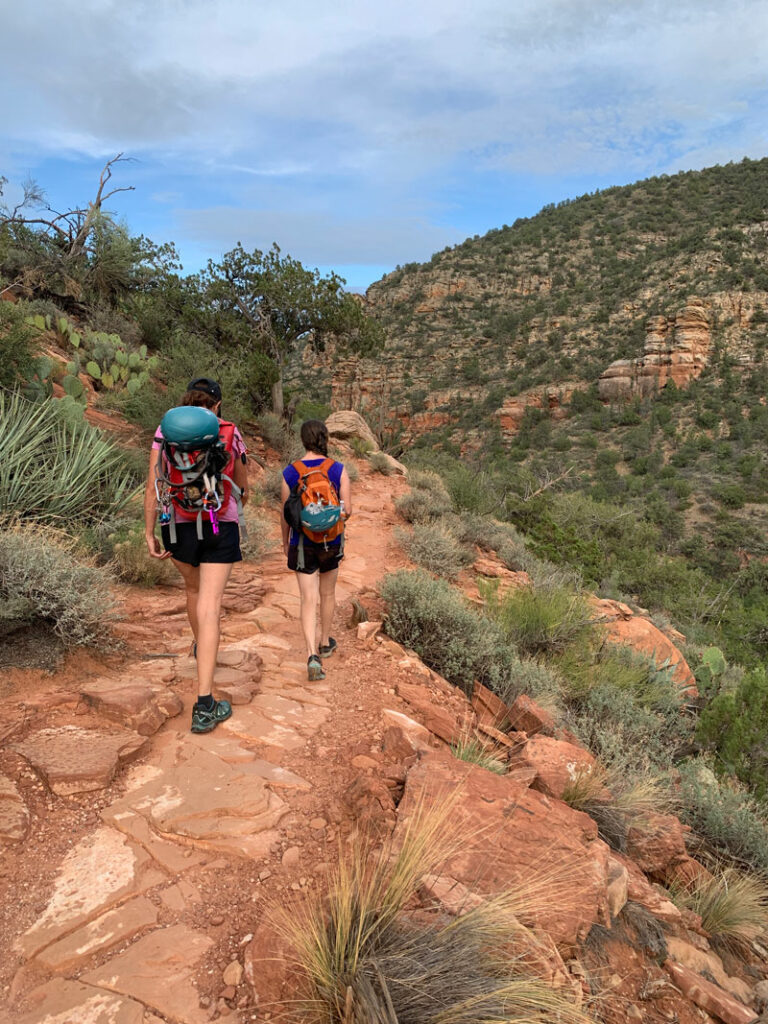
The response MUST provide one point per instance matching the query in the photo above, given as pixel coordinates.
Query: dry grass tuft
(733, 906)
(366, 960)
(615, 801)
(471, 749)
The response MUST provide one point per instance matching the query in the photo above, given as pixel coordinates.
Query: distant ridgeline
(661, 279)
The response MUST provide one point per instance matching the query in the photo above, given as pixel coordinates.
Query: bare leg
(191, 575)
(309, 593)
(327, 603)
(213, 580)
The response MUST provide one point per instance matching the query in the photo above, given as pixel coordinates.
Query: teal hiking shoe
(203, 720)
(314, 669)
(326, 650)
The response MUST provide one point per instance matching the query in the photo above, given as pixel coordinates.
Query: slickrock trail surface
(140, 860)
(140, 854)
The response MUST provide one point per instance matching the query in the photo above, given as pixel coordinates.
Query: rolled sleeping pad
(190, 427)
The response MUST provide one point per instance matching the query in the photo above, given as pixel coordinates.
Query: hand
(153, 546)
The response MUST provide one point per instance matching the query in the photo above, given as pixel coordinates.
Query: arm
(285, 493)
(240, 479)
(150, 511)
(345, 493)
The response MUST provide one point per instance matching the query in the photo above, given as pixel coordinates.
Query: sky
(360, 136)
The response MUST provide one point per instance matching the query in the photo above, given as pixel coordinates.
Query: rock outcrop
(676, 349)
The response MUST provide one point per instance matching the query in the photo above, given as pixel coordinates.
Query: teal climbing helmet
(190, 427)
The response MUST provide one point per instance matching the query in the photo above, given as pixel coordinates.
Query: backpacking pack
(313, 508)
(194, 468)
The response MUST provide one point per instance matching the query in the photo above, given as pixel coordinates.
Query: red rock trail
(151, 850)
(139, 858)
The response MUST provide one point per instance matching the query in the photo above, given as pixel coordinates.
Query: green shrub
(736, 726)
(352, 471)
(16, 360)
(41, 572)
(279, 436)
(432, 618)
(539, 620)
(427, 498)
(380, 463)
(121, 545)
(271, 484)
(619, 730)
(434, 547)
(54, 472)
(725, 819)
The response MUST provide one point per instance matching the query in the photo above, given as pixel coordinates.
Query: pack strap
(237, 493)
(300, 563)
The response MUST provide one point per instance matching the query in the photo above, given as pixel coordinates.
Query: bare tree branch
(546, 481)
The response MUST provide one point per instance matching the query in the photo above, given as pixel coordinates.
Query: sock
(206, 702)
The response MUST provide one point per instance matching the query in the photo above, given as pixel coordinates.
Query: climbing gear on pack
(194, 466)
(326, 650)
(315, 670)
(205, 719)
(313, 508)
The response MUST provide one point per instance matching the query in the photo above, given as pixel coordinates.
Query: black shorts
(223, 546)
(317, 558)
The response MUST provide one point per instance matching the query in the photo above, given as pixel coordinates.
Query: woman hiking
(203, 546)
(316, 561)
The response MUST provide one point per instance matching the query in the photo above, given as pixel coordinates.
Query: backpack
(313, 508)
(194, 467)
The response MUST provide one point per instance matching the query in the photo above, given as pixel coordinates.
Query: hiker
(204, 545)
(314, 555)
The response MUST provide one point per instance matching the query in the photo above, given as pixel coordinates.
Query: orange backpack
(317, 493)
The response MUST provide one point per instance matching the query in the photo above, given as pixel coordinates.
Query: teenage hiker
(202, 540)
(315, 486)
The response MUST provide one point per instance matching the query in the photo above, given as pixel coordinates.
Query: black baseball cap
(210, 387)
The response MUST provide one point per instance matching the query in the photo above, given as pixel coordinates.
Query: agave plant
(55, 471)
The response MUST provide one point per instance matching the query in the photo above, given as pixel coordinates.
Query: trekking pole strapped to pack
(193, 468)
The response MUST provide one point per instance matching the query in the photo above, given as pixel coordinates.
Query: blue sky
(358, 135)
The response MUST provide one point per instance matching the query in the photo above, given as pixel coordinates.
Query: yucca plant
(53, 471)
(733, 906)
(365, 960)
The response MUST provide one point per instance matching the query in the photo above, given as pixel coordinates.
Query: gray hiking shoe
(204, 720)
(326, 650)
(314, 668)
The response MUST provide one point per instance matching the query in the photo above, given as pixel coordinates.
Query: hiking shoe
(326, 650)
(204, 720)
(314, 668)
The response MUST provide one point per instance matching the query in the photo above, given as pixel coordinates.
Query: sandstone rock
(14, 814)
(708, 996)
(515, 835)
(70, 1002)
(203, 801)
(403, 736)
(489, 708)
(676, 348)
(700, 960)
(291, 857)
(243, 595)
(233, 973)
(394, 466)
(640, 890)
(99, 935)
(159, 971)
(641, 634)
(438, 720)
(688, 872)
(370, 803)
(101, 871)
(365, 630)
(618, 887)
(267, 961)
(346, 425)
(760, 993)
(527, 716)
(137, 704)
(657, 844)
(253, 726)
(451, 896)
(75, 760)
(556, 763)
(552, 399)
(540, 957)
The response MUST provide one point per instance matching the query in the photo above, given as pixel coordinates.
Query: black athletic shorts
(317, 558)
(223, 546)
